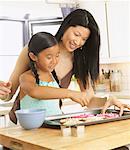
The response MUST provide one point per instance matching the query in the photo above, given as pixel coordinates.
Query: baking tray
(54, 121)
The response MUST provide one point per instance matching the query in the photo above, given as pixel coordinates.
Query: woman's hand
(86, 94)
(5, 89)
(113, 101)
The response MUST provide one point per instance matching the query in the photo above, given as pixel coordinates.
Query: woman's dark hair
(38, 43)
(86, 61)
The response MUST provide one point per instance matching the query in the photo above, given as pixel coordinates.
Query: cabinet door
(11, 37)
(118, 15)
(7, 64)
(97, 9)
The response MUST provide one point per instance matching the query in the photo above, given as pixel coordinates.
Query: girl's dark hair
(86, 60)
(38, 43)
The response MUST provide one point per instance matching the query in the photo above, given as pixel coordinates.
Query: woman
(79, 42)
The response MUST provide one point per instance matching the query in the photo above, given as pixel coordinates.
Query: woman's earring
(80, 48)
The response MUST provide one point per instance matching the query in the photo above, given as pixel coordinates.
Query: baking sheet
(54, 121)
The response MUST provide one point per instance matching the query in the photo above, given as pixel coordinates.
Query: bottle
(115, 81)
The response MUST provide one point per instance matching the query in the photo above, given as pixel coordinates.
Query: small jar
(115, 81)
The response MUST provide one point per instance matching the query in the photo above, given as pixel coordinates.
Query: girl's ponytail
(34, 70)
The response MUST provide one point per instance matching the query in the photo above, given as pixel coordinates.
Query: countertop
(120, 95)
(5, 107)
(97, 137)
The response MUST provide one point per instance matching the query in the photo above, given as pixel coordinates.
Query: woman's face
(75, 37)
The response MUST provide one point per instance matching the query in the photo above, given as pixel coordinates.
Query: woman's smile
(73, 46)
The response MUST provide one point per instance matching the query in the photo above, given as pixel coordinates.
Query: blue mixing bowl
(31, 118)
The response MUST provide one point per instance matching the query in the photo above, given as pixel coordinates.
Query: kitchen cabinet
(98, 10)
(7, 63)
(118, 15)
(11, 44)
(49, 25)
(11, 37)
(113, 18)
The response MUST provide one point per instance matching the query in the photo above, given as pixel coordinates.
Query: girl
(43, 52)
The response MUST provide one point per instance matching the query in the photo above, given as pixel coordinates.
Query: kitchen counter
(119, 95)
(97, 137)
(4, 110)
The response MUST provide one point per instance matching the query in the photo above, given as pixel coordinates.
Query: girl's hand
(5, 89)
(79, 97)
(113, 101)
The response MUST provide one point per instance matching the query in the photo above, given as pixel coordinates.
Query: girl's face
(48, 59)
(75, 37)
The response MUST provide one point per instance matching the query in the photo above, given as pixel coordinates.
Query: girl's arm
(29, 87)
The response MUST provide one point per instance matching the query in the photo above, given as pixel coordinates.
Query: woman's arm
(112, 100)
(89, 89)
(105, 103)
(93, 102)
(21, 66)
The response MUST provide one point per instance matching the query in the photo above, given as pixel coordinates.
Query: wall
(125, 70)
